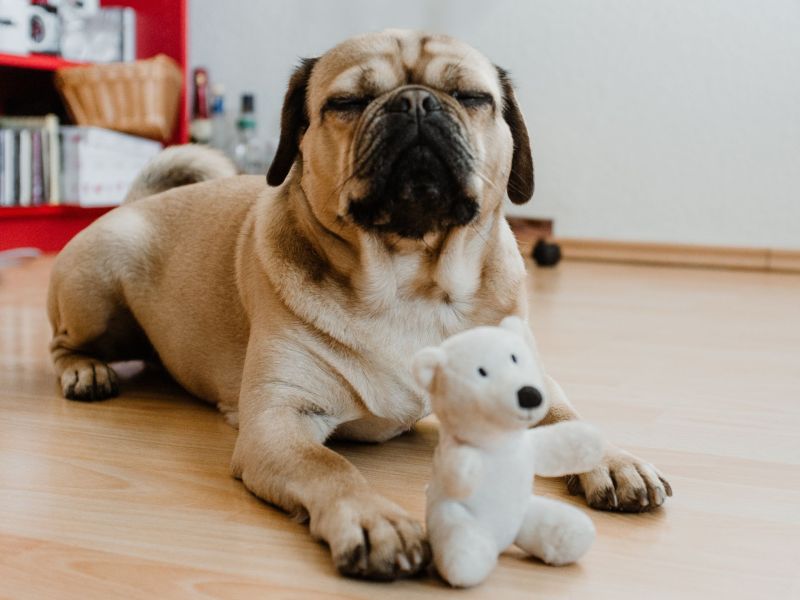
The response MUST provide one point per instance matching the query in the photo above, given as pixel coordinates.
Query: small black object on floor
(546, 254)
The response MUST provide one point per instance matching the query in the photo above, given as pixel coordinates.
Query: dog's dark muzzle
(417, 163)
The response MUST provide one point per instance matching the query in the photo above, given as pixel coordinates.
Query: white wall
(658, 121)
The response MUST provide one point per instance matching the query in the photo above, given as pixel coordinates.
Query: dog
(296, 306)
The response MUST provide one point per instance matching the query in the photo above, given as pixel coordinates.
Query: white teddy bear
(488, 389)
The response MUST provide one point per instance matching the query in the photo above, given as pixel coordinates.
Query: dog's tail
(180, 165)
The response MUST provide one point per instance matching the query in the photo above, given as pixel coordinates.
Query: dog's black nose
(414, 100)
(529, 397)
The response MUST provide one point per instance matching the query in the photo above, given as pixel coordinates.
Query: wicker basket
(141, 98)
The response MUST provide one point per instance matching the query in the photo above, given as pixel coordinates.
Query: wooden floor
(698, 371)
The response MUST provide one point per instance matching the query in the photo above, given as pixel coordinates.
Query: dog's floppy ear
(425, 364)
(520, 182)
(294, 121)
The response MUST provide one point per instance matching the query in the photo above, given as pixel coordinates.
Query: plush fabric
(488, 389)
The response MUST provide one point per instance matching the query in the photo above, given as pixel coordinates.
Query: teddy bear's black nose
(529, 397)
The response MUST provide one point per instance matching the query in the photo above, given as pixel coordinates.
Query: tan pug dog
(296, 308)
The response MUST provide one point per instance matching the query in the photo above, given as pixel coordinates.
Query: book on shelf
(30, 143)
(37, 157)
(24, 173)
(42, 163)
(8, 167)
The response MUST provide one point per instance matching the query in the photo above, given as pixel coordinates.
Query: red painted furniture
(26, 87)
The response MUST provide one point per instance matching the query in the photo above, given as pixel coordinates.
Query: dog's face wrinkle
(439, 133)
(392, 142)
(448, 147)
(444, 130)
(460, 157)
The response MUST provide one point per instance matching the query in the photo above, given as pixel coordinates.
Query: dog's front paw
(89, 380)
(373, 538)
(622, 483)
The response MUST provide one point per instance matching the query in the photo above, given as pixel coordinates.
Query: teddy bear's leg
(464, 552)
(555, 532)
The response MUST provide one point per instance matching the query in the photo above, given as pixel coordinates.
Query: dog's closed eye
(472, 99)
(347, 104)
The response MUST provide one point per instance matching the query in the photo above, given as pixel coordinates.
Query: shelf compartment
(47, 228)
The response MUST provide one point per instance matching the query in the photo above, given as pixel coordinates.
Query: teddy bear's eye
(482, 371)
(514, 357)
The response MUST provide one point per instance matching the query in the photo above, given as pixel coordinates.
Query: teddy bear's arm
(461, 470)
(566, 448)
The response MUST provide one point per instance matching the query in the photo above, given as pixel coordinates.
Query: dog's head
(403, 133)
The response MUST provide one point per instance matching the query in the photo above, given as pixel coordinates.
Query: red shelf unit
(160, 29)
(47, 228)
(42, 62)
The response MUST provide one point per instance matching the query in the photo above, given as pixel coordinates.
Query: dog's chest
(420, 309)
(392, 337)
(396, 307)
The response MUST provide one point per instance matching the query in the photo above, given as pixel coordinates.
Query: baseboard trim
(716, 257)
(784, 260)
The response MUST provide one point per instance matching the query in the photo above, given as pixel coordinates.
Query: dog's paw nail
(574, 485)
(354, 561)
(402, 562)
(416, 557)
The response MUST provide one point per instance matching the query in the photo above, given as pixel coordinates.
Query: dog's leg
(622, 481)
(281, 458)
(79, 313)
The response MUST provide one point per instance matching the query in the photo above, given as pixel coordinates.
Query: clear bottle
(249, 153)
(221, 128)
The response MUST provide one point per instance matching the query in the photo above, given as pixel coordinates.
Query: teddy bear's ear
(520, 327)
(425, 363)
(515, 324)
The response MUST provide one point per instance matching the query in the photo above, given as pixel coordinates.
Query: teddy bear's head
(485, 375)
